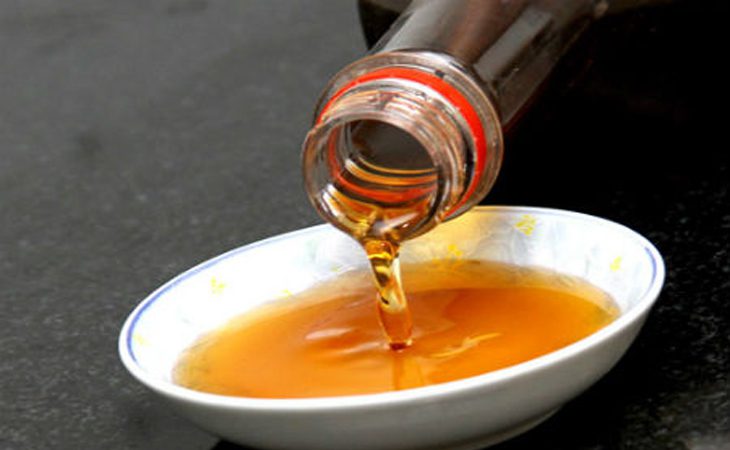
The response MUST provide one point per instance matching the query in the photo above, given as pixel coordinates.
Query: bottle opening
(388, 148)
(390, 121)
(394, 152)
(373, 179)
(381, 162)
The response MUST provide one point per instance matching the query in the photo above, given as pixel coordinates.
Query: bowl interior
(608, 255)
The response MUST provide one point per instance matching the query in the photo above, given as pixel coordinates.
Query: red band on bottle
(447, 91)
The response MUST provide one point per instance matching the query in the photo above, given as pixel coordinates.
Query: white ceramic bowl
(468, 413)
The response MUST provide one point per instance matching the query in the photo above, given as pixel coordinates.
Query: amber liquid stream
(385, 191)
(469, 318)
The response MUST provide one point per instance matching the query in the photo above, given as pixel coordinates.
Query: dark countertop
(139, 138)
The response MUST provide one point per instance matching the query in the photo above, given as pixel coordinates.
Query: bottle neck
(510, 45)
(399, 146)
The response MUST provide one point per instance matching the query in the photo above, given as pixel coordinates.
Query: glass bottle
(411, 135)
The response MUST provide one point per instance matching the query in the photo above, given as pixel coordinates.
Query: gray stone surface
(138, 138)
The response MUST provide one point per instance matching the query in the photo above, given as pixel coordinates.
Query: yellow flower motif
(454, 251)
(286, 293)
(453, 258)
(140, 340)
(526, 224)
(616, 264)
(217, 286)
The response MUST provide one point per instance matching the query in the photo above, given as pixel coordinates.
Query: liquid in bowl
(469, 318)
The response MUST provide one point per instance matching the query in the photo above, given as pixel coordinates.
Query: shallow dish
(469, 413)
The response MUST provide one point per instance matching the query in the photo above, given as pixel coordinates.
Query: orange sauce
(327, 341)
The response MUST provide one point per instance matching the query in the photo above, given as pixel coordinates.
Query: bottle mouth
(474, 122)
(380, 161)
(449, 154)
(383, 160)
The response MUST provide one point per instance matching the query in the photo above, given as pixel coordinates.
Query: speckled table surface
(138, 138)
